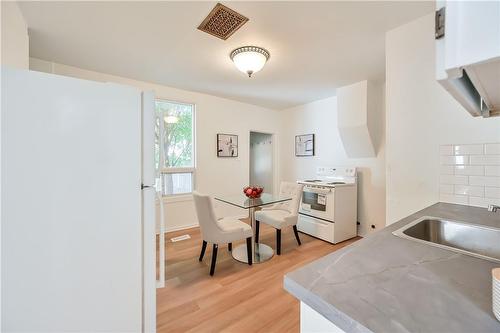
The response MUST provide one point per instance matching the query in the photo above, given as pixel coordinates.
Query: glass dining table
(261, 252)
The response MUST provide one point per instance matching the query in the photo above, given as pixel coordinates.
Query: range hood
(468, 54)
(358, 119)
(476, 87)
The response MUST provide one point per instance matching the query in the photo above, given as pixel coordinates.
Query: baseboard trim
(184, 227)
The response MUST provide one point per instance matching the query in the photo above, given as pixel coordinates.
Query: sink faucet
(493, 208)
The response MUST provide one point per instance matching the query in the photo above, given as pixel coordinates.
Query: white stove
(332, 177)
(328, 208)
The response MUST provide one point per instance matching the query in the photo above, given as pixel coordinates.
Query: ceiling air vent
(222, 22)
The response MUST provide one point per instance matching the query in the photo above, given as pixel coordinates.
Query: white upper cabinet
(468, 53)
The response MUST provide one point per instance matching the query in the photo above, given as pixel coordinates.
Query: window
(174, 146)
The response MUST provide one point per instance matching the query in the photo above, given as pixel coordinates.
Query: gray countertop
(384, 283)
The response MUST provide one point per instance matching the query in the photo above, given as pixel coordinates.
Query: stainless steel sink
(471, 239)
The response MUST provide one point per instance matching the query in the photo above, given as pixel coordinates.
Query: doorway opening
(262, 160)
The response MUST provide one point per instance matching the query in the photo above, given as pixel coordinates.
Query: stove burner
(336, 183)
(312, 181)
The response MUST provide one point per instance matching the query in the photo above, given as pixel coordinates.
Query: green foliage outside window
(178, 134)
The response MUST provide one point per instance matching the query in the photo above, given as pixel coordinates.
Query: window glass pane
(157, 143)
(177, 183)
(177, 133)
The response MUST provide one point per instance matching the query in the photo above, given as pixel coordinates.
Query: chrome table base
(261, 253)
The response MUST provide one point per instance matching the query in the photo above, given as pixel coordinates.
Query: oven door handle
(316, 190)
(306, 207)
(321, 223)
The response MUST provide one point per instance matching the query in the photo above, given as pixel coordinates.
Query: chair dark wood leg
(296, 232)
(249, 250)
(257, 225)
(214, 259)
(203, 248)
(278, 241)
(230, 246)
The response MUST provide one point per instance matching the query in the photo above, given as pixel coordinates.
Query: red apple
(249, 191)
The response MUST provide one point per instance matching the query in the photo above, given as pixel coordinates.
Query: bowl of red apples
(253, 192)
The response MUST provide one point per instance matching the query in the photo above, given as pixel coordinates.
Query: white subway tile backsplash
(492, 149)
(454, 160)
(485, 160)
(476, 191)
(470, 174)
(446, 150)
(483, 202)
(456, 199)
(446, 189)
(468, 149)
(485, 181)
(447, 170)
(452, 180)
(492, 170)
(469, 170)
(492, 192)
(477, 202)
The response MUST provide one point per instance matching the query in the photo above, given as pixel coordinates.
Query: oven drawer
(317, 228)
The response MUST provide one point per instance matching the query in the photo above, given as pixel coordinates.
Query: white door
(71, 204)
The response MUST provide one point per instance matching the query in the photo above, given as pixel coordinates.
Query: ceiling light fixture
(249, 59)
(171, 119)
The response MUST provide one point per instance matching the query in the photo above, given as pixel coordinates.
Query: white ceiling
(315, 46)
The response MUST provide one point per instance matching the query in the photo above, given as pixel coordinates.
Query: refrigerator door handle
(146, 186)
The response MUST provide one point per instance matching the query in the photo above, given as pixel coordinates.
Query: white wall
(320, 118)
(15, 41)
(420, 117)
(261, 161)
(213, 115)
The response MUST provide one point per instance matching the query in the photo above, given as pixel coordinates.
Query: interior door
(71, 204)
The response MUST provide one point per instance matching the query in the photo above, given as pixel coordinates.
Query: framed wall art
(227, 145)
(304, 145)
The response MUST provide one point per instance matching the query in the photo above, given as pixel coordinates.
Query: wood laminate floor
(238, 298)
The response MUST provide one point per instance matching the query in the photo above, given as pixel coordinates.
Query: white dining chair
(283, 214)
(219, 231)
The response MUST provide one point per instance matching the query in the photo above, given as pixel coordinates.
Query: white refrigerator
(78, 210)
